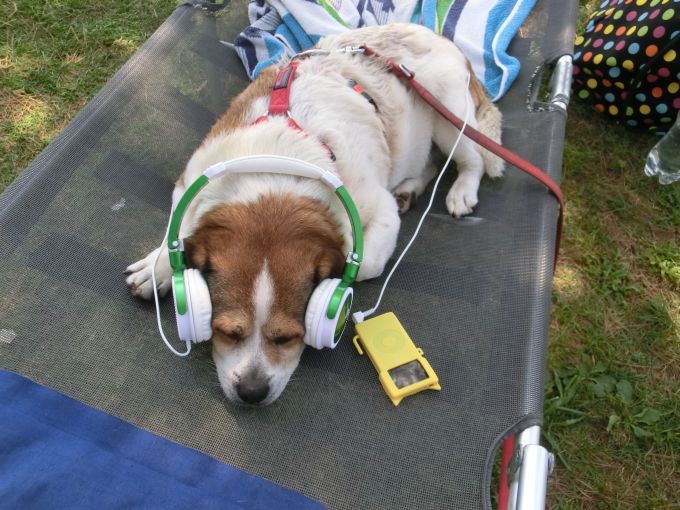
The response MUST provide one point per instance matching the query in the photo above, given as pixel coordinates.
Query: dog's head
(262, 260)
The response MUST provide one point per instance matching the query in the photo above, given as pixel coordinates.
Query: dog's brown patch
(301, 244)
(477, 90)
(236, 114)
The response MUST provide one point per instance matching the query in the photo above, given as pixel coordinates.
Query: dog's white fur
(250, 358)
(379, 155)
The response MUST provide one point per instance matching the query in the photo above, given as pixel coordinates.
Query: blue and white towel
(482, 29)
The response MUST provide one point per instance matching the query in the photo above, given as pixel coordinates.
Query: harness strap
(279, 103)
(359, 89)
(408, 77)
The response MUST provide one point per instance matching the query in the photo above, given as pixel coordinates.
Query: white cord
(358, 317)
(155, 296)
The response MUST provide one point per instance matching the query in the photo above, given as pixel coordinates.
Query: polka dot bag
(627, 62)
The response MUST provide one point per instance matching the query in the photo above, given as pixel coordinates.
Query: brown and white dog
(263, 241)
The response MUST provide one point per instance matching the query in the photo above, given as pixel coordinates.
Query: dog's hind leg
(449, 85)
(462, 197)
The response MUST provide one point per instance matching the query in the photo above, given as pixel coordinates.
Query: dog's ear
(211, 236)
(328, 264)
(196, 252)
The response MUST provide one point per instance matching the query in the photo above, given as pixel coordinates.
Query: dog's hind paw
(405, 200)
(462, 198)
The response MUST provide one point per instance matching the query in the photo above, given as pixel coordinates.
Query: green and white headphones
(330, 303)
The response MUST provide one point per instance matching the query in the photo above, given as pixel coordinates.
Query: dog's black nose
(252, 390)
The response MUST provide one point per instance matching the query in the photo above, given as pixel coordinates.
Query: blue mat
(56, 452)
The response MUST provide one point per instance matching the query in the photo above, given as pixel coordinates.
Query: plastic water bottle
(664, 158)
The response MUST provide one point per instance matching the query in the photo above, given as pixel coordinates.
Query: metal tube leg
(533, 478)
(530, 467)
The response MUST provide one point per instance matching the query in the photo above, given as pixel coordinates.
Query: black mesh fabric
(473, 293)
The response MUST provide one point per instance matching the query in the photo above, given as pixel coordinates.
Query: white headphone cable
(358, 317)
(155, 297)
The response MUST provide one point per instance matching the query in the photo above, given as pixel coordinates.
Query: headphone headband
(276, 165)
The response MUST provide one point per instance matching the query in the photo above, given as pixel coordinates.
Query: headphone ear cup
(195, 325)
(318, 304)
(320, 331)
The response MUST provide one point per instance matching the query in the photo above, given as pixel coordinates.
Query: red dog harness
(279, 101)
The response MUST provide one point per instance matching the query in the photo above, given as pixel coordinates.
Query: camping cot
(474, 293)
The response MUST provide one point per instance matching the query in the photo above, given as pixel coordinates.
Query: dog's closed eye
(282, 340)
(229, 330)
(233, 334)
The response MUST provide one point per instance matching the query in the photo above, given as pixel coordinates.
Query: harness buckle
(284, 77)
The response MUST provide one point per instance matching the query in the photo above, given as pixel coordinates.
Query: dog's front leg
(139, 274)
(380, 234)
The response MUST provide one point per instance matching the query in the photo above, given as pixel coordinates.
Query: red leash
(408, 77)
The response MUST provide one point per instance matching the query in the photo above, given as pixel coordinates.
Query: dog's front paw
(462, 198)
(370, 268)
(139, 276)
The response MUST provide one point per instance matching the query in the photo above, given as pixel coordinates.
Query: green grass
(612, 406)
(613, 391)
(613, 386)
(54, 55)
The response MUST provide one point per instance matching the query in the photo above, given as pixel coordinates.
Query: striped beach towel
(482, 29)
